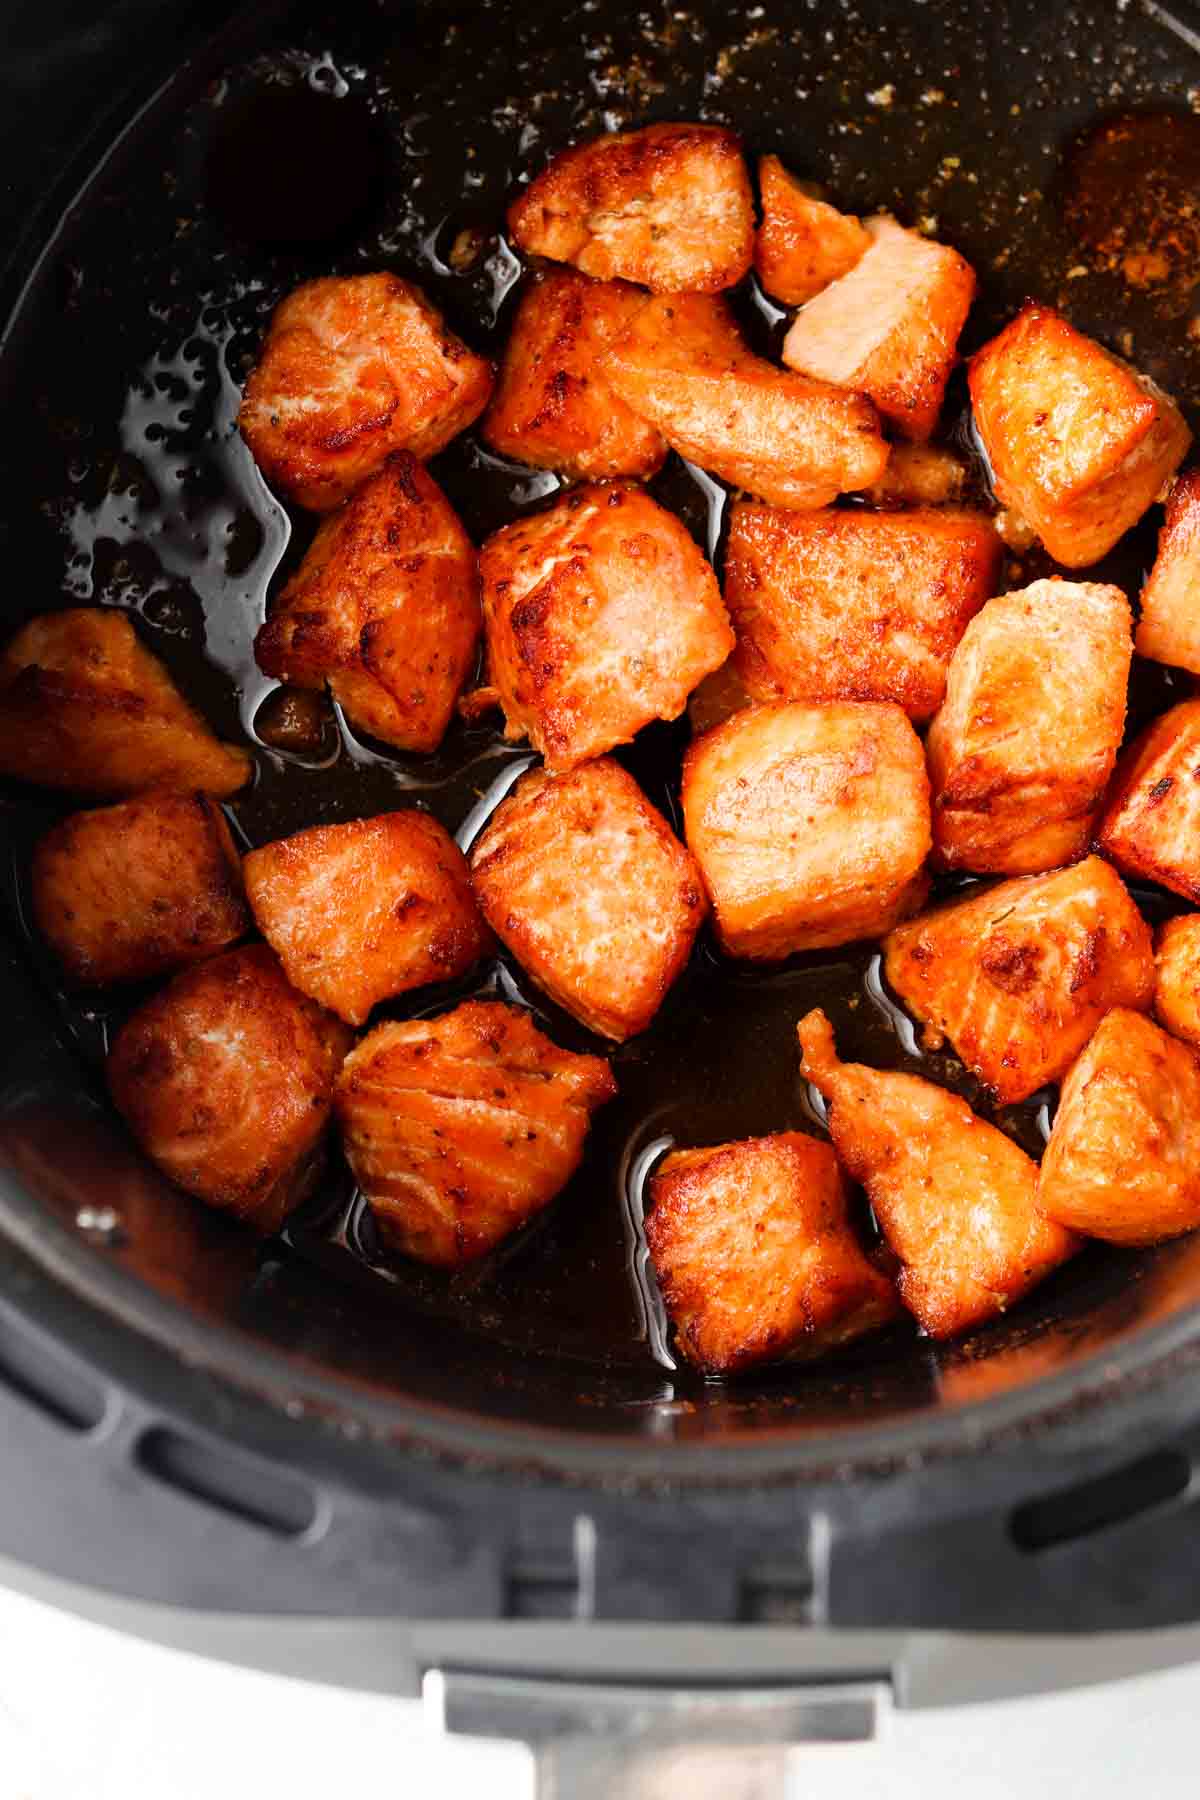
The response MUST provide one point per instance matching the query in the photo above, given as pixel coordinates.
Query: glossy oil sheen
(368, 138)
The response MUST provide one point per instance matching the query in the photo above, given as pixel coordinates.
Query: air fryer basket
(380, 1443)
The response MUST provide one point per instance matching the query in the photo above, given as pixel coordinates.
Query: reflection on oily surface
(1117, 1296)
(83, 1167)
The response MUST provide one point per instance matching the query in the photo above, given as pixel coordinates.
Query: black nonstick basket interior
(323, 139)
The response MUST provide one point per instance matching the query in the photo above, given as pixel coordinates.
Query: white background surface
(86, 1714)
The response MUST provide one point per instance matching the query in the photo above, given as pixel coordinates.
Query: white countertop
(86, 1714)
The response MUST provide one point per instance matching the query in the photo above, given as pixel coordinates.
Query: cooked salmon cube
(354, 367)
(360, 912)
(685, 368)
(592, 892)
(601, 615)
(755, 1255)
(1177, 977)
(1026, 739)
(954, 1197)
(810, 825)
(225, 1078)
(1151, 822)
(803, 243)
(84, 706)
(920, 475)
(384, 607)
(1018, 976)
(1123, 1161)
(553, 406)
(1169, 628)
(841, 605)
(138, 889)
(459, 1129)
(889, 328)
(669, 207)
(1079, 443)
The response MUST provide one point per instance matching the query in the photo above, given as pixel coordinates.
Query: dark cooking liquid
(393, 141)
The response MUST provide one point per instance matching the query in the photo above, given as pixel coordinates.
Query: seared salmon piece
(810, 825)
(755, 1255)
(1019, 976)
(954, 1197)
(384, 607)
(684, 367)
(1169, 628)
(352, 368)
(1025, 741)
(1151, 822)
(803, 243)
(889, 329)
(553, 406)
(601, 615)
(360, 912)
(225, 1078)
(1177, 977)
(669, 207)
(920, 475)
(841, 605)
(1079, 443)
(139, 889)
(592, 892)
(84, 706)
(1123, 1161)
(461, 1128)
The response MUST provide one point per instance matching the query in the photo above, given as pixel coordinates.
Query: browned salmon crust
(841, 605)
(889, 328)
(803, 243)
(1151, 822)
(360, 912)
(601, 615)
(954, 1197)
(684, 367)
(1079, 443)
(225, 1078)
(1177, 977)
(1169, 627)
(1018, 976)
(84, 706)
(1025, 741)
(669, 207)
(1123, 1161)
(384, 607)
(554, 406)
(352, 368)
(136, 890)
(810, 825)
(592, 892)
(460, 1128)
(755, 1255)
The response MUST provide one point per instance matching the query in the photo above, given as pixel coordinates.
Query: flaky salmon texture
(225, 1077)
(354, 367)
(955, 1198)
(756, 1255)
(460, 1128)
(669, 207)
(384, 608)
(601, 615)
(86, 707)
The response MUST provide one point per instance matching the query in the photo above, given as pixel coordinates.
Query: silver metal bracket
(600, 1740)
